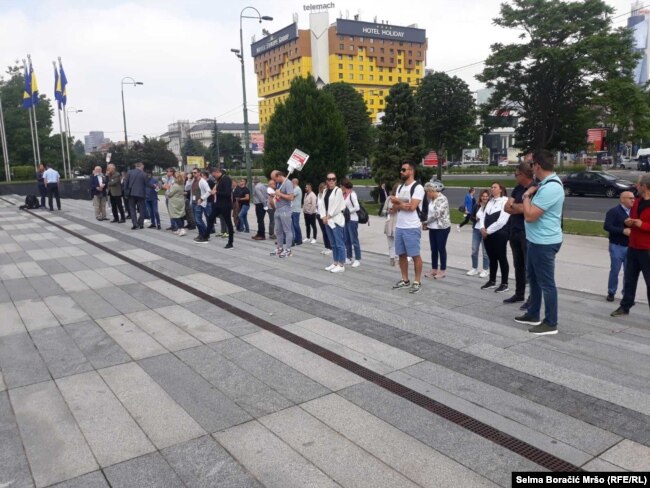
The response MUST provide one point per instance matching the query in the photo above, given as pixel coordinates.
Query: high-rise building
(94, 140)
(371, 56)
(639, 22)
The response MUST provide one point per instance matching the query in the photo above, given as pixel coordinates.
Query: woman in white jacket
(334, 223)
(495, 235)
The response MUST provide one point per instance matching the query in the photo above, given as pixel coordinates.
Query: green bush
(23, 173)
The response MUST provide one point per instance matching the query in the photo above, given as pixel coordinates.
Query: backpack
(31, 202)
(417, 209)
(362, 213)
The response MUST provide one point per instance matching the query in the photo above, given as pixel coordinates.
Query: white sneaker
(330, 267)
(305, 241)
(458, 228)
(327, 252)
(338, 269)
(313, 241)
(182, 232)
(472, 272)
(356, 263)
(409, 259)
(484, 274)
(348, 261)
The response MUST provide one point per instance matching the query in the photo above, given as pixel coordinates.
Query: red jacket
(640, 236)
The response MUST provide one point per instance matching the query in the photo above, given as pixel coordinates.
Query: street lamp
(132, 82)
(67, 139)
(240, 54)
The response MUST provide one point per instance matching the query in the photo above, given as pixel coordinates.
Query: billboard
(197, 161)
(289, 33)
(257, 143)
(380, 31)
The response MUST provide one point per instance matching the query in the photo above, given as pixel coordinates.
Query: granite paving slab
(60, 353)
(288, 382)
(137, 343)
(35, 315)
(65, 309)
(203, 463)
(93, 304)
(326, 373)
(162, 419)
(163, 331)
(121, 300)
(20, 362)
(108, 428)
(269, 459)
(14, 469)
(340, 459)
(149, 471)
(423, 465)
(45, 286)
(56, 449)
(20, 289)
(194, 325)
(92, 279)
(250, 393)
(11, 322)
(143, 294)
(95, 479)
(211, 409)
(629, 455)
(98, 347)
(70, 282)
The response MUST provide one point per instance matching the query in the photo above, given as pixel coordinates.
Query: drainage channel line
(517, 446)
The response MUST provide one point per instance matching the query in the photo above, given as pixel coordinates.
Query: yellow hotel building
(372, 57)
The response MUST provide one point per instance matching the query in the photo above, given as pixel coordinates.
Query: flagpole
(67, 138)
(58, 104)
(38, 145)
(3, 141)
(31, 124)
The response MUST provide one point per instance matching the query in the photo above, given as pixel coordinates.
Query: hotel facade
(370, 56)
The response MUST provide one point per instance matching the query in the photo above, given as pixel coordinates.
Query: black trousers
(226, 214)
(136, 207)
(519, 248)
(42, 190)
(636, 263)
(53, 192)
(260, 213)
(496, 247)
(310, 222)
(116, 206)
(323, 232)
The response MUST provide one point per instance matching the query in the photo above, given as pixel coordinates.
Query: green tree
(19, 140)
(153, 152)
(448, 114)
(551, 77)
(355, 115)
(399, 135)
(192, 147)
(79, 149)
(310, 121)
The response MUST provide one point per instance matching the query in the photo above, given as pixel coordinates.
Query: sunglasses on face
(331, 179)
(404, 170)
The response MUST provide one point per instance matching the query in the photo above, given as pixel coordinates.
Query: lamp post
(132, 82)
(240, 54)
(67, 139)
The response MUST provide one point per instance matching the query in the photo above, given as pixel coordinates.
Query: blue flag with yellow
(64, 84)
(28, 101)
(32, 76)
(58, 93)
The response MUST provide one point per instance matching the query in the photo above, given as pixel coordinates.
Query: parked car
(596, 183)
(360, 174)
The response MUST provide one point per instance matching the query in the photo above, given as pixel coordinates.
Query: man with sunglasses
(408, 228)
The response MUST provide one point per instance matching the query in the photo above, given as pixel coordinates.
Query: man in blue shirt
(542, 204)
(618, 240)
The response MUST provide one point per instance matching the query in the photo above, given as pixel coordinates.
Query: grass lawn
(571, 226)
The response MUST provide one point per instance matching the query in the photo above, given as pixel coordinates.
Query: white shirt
(495, 205)
(352, 204)
(409, 219)
(51, 176)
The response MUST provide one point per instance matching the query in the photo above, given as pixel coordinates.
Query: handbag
(461, 208)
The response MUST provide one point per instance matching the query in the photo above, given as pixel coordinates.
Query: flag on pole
(34, 83)
(28, 101)
(64, 84)
(58, 94)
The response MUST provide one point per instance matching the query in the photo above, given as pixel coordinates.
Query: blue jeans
(177, 224)
(477, 241)
(540, 267)
(152, 210)
(438, 243)
(243, 218)
(295, 222)
(617, 255)
(337, 241)
(198, 212)
(352, 240)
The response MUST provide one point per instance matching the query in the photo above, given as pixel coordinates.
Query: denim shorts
(407, 241)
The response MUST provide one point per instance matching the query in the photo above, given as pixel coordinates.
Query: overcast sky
(180, 50)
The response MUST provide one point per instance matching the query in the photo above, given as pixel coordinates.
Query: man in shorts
(408, 229)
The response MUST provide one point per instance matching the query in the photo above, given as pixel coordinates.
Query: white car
(503, 163)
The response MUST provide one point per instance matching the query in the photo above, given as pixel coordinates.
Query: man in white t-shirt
(408, 229)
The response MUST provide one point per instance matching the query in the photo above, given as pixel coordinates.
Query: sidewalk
(142, 359)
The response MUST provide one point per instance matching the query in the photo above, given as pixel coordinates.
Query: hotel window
(392, 60)
(399, 70)
(350, 67)
(381, 49)
(401, 43)
(392, 51)
(372, 40)
(371, 77)
(417, 71)
(419, 53)
(340, 56)
(381, 59)
(408, 79)
(361, 77)
(371, 68)
(340, 38)
(340, 65)
(340, 76)
(351, 76)
(360, 58)
(381, 78)
(399, 60)
(372, 49)
(351, 48)
(381, 102)
(390, 78)
(390, 70)
(410, 53)
(350, 57)
(360, 67)
(381, 69)
(371, 101)
(341, 46)
(399, 79)
(351, 39)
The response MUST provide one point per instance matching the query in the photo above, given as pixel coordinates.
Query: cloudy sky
(180, 50)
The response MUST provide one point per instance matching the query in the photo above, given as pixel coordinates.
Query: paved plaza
(142, 359)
